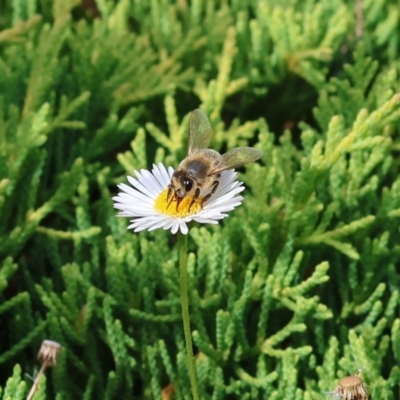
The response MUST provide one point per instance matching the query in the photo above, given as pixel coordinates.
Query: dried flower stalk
(48, 355)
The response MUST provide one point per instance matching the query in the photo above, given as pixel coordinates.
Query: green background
(297, 288)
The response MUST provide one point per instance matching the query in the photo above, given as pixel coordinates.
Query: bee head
(181, 184)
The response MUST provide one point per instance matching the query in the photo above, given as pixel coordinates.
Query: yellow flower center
(169, 206)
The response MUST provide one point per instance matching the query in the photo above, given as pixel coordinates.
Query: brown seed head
(48, 352)
(350, 388)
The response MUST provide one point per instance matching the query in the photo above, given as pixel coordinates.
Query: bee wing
(237, 157)
(199, 131)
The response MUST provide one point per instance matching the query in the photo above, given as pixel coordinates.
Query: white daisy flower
(147, 203)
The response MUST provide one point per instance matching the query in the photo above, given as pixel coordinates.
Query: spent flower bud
(48, 352)
(350, 388)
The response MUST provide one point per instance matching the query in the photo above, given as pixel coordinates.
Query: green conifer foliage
(297, 289)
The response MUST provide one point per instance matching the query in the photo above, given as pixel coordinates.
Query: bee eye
(188, 183)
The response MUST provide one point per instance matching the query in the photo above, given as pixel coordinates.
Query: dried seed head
(48, 352)
(350, 388)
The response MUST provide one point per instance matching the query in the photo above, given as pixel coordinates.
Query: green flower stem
(185, 313)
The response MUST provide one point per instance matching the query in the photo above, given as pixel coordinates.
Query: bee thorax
(197, 168)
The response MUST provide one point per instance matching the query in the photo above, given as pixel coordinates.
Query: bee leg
(214, 189)
(178, 201)
(195, 197)
(215, 185)
(169, 197)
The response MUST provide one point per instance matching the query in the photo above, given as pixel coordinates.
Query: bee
(200, 171)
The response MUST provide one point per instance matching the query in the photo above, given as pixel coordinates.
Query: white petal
(225, 206)
(129, 190)
(184, 228)
(124, 198)
(221, 200)
(152, 181)
(139, 186)
(159, 176)
(170, 172)
(169, 224)
(145, 222)
(165, 176)
(175, 227)
(161, 224)
(202, 220)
